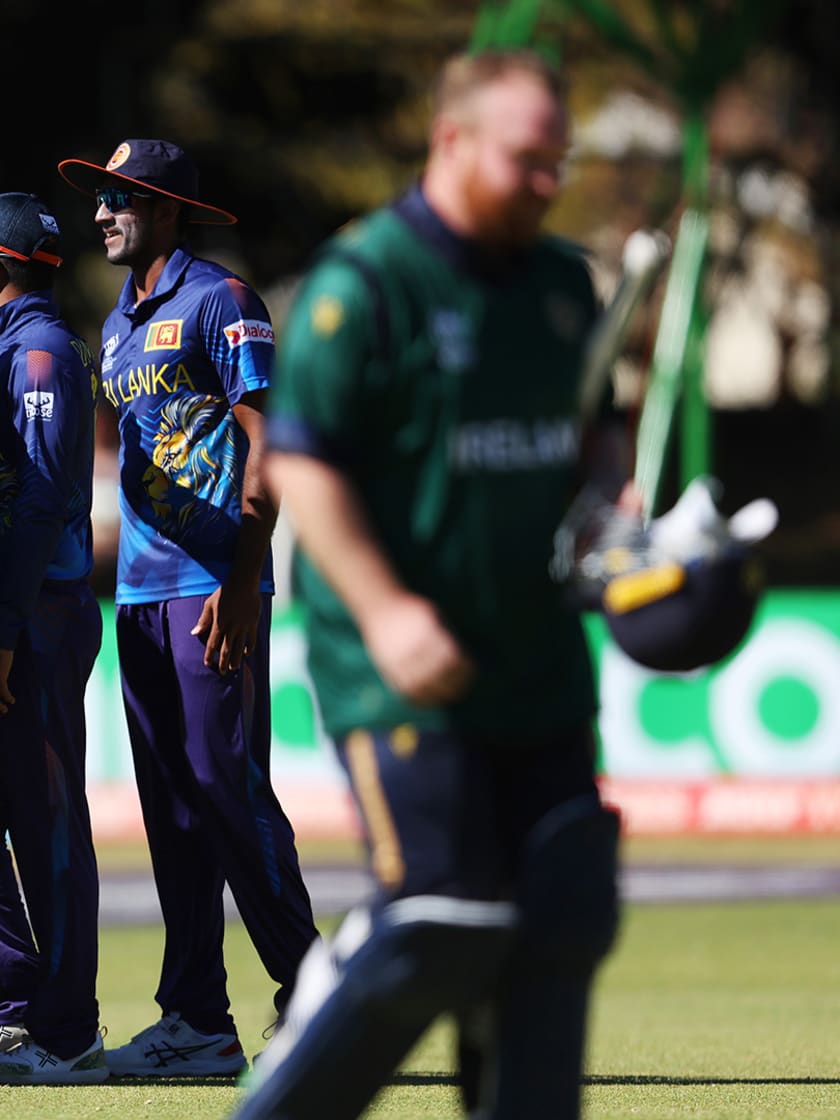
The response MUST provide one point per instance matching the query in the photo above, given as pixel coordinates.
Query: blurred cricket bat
(669, 355)
(645, 254)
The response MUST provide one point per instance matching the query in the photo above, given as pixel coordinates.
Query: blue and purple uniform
(51, 619)
(174, 366)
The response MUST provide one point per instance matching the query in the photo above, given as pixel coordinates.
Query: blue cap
(28, 230)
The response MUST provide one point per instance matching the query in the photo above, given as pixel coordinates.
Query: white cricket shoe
(171, 1048)
(28, 1063)
(11, 1034)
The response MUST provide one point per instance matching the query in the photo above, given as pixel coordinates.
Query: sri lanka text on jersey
(148, 380)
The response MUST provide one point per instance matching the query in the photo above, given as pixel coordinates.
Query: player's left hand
(7, 656)
(228, 626)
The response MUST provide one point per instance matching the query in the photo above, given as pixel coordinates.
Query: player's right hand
(415, 652)
(228, 626)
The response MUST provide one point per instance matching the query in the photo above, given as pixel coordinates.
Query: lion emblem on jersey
(194, 454)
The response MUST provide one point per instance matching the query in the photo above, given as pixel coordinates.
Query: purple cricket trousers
(43, 806)
(201, 743)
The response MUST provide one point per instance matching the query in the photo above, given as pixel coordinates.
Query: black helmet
(677, 617)
(678, 593)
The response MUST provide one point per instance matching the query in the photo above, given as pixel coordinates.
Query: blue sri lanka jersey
(173, 367)
(48, 389)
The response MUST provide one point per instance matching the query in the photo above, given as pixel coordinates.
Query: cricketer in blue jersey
(425, 431)
(186, 358)
(50, 634)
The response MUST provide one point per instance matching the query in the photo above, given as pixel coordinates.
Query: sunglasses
(115, 198)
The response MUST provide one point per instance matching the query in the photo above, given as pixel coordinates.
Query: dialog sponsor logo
(249, 330)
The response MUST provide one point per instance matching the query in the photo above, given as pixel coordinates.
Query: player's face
(127, 229)
(513, 144)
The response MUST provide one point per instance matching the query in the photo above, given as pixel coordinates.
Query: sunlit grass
(713, 1011)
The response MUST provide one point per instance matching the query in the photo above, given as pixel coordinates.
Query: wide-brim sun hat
(150, 165)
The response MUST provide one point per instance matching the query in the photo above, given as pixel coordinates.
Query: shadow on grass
(423, 1079)
(661, 1079)
(420, 1079)
(224, 1081)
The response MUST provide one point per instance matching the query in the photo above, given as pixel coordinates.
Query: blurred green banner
(772, 709)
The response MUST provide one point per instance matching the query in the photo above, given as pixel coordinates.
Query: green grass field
(718, 1011)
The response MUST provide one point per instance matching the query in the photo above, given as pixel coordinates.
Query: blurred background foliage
(303, 114)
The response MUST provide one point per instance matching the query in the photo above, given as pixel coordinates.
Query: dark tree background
(301, 114)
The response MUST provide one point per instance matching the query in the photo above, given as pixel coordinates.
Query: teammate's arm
(42, 500)
(403, 632)
(7, 656)
(230, 615)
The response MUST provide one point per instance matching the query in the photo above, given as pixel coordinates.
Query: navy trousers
(494, 864)
(201, 743)
(44, 810)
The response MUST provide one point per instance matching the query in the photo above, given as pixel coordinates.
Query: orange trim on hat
(47, 258)
(38, 255)
(213, 215)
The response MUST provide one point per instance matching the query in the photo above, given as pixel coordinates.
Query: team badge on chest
(451, 333)
(165, 335)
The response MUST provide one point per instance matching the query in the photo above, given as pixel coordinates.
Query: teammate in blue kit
(425, 431)
(50, 634)
(186, 360)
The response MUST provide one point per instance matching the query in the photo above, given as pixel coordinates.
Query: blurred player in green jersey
(424, 432)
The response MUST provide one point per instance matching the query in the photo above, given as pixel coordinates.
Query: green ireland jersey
(446, 391)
